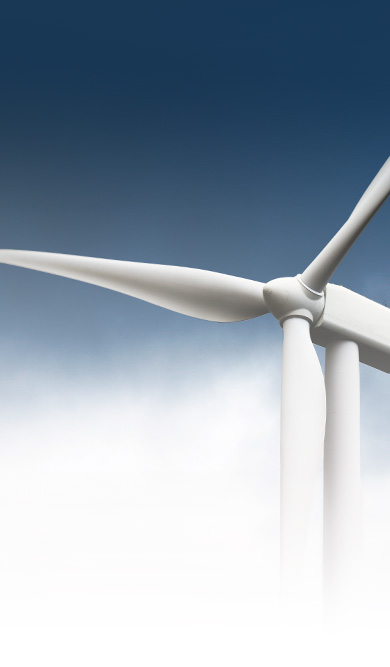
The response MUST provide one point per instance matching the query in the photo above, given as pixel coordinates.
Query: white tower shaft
(342, 483)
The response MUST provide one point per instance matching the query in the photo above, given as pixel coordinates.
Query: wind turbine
(310, 310)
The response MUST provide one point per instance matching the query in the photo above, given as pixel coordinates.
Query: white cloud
(139, 518)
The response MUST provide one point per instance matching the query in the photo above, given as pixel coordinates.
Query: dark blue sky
(230, 136)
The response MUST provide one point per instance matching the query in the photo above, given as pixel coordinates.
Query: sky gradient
(236, 138)
(237, 141)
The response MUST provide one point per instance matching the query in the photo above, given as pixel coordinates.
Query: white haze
(139, 519)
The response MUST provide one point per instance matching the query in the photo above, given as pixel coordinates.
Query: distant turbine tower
(309, 309)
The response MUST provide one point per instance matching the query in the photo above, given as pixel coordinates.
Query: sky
(140, 447)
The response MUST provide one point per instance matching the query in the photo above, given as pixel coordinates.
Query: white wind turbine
(310, 310)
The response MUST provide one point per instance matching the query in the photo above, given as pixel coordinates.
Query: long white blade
(203, 294)
(303, 415)
(319, 272)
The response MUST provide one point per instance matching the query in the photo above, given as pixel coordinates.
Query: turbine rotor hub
(290, 297)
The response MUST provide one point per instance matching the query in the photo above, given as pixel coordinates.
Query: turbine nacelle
(289, 297)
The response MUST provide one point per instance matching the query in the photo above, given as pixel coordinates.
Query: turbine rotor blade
(202, 294)
(319, 272)
(303, 415)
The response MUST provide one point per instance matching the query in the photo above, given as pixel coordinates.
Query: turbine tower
(314, 410)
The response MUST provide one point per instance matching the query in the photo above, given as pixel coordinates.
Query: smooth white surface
(303, 413)
(321, 269)
(342, 485)
(350, 316)
(206, 295)
(288, 297)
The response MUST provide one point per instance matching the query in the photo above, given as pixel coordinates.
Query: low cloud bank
(140, 512)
